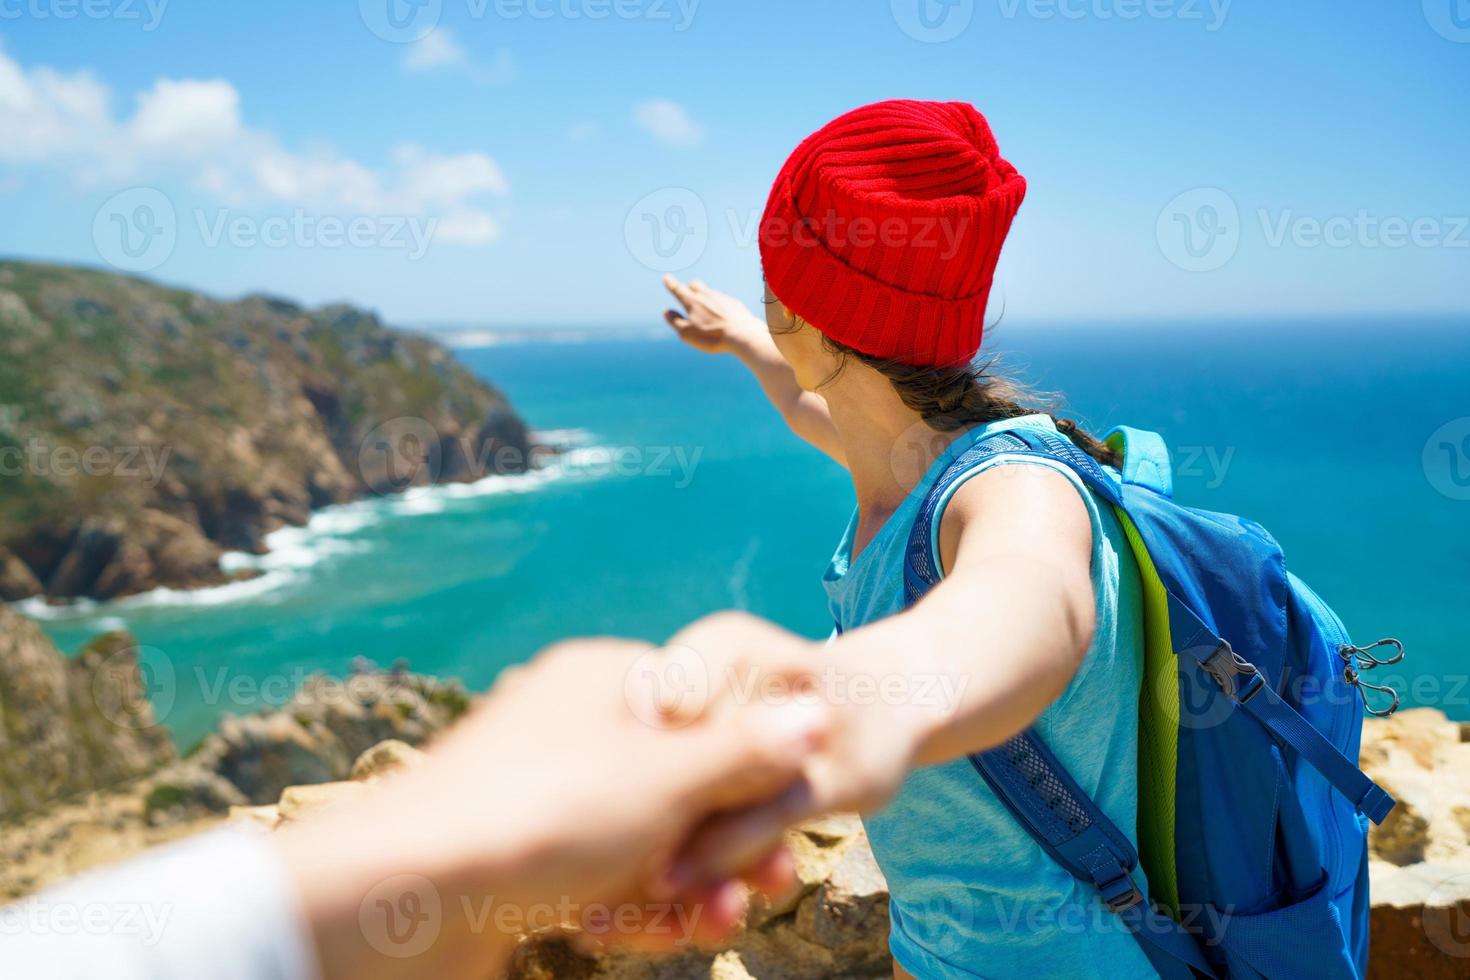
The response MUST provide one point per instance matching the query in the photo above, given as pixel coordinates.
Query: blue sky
(509, 162)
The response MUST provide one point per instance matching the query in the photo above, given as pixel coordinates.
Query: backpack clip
(1356, 659)
(1224, 665)
(1121, 894)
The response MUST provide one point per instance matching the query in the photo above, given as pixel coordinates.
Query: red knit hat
(884, 228)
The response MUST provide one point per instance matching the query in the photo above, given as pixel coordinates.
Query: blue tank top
(972, 894)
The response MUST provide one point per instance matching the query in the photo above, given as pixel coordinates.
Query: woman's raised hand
(712, 321)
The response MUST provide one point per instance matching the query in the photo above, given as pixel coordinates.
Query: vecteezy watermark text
(411, 234)
(147, 13)
(137, 229)
(39, 917)
(36, 457)
(670, 229)
(677, 682)
(1201, 230)
(937, 21)
(410, 451)
(404, 915)
(410, 21)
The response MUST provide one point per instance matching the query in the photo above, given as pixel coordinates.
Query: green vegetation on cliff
(144, 429)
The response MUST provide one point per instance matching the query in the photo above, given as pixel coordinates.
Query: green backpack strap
(1146, 464)
(1145, 458)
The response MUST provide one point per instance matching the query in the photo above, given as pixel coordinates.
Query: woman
(879, 246)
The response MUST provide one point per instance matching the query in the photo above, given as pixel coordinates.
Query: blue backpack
(1252, 809)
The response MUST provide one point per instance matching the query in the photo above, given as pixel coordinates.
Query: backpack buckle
(1121, 894)
(1224, 665)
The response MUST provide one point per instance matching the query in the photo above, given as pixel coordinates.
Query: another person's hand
(564, 797)
(711, 321)
(879, 720)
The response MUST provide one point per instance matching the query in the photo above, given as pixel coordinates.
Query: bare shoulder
(1017, 508)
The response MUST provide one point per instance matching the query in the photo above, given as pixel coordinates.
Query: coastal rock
(848, 914)
(1419, 920)
(383, 759)
(300, 802)
(1420, 872)
(327, 725)
(70, 725)
(16, 579)
(262, 818)
(158, 428)
(65, 812)
(1410, 754)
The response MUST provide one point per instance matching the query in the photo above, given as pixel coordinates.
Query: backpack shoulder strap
(1194, 638)
(1145, 458)
(1029, 780)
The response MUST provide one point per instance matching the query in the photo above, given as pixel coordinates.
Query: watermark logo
(401, 917)
(1199, 231)
(135, 688)
(667, 687)
(1446, 459)
(933, 21)
(136, 229)
(668, 230)
(400, 21)
(1449, 18)
(1447, 916)
(400, 453)
(1192, 698)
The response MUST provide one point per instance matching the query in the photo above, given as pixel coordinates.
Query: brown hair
(954, 398)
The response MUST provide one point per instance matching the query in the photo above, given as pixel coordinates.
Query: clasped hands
(630, 796)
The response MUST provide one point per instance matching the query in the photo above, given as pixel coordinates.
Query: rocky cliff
(77, 728)
(144, 430)
(86, 776)
(68, 726)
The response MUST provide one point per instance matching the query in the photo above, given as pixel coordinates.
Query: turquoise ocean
(684, 494)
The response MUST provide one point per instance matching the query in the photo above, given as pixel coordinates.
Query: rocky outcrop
(833, 925)
(144, 430)
(70, 725)
(16, 580)
(86, 776)
(326, 727)
(1420, 856)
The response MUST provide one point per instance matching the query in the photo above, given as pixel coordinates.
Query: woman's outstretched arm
(973, 663)
(719, 324)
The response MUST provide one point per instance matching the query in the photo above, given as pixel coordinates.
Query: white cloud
(437, 49)
(669, 122)
(187, 116)
(194, 128)
(45, 114)
(440, 51)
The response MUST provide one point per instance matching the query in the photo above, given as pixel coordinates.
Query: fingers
(730, 844)
(676, 320)
(705, 916)
(774, 874)
(681, 292)
(751, 753)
